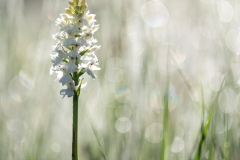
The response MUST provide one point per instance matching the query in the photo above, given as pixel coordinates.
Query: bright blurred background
(198, 40)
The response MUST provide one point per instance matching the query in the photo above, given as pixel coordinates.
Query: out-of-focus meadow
(153, 54)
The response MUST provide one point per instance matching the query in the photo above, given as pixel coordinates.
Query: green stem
(75, 128)
(75, 119)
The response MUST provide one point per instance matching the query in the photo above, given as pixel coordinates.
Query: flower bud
(68, 11)
(77, 8)
(76, 2)
(84, 7)
(71, 3)
(80, 15)
(83, 2)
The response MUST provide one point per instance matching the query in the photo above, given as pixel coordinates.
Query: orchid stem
(75, 120)
(75, 128)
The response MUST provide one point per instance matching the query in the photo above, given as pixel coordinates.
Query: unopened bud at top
(68, 11)
(84, 7)
(77, 8)
(83, 2)
(76, 2)
(71, 3)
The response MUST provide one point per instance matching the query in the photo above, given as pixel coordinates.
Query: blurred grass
(139, 109)
(205, 127)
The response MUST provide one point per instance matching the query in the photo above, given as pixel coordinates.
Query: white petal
(86, 58)
(67, 92)
(60, 74)
(84, 85)
(51, 70)
(81, 42)
(56, 59)
(66, 78)
(95, 48)
(90, 72)
(94, 67)
(69, 41)
(71, 67)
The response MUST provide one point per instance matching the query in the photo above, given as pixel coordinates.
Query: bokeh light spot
(215, 81)
(123, 95)
(154, 101)
(237, 104)
(207, 1)
(123, 125)
(27, 76)
(17, 129)
(223, 124)
(56, 147)
(178, 55)
(123, 111)
(114, 74)
(237, 13)
(114, 62)
(153, 133)
(226, 100)
(225, 11)
(9, 105)
(172, 98)
(154, 13)
(233, 40)
(177, 145)
(17, 91)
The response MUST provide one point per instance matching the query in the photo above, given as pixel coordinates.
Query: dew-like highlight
(123, 111)
(237, 104)
(9, 106)
(178, 55)
(56, 147)
(114, 74)
(18, 91)
(215, 81)
(233, 40)
(237, 14)
(226, 100)
(154, 13)
(17, 129)
(172, 98)
(154, 101)
(177, 145)
(225, 11)
(123, 125)
(123, 95)
(154, 133)
(27, 76)
(224, 124)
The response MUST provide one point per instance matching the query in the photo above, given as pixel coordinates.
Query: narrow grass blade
(165, 117)
(225, 145)
(96, 134)
(200, 145)
(205, 129)
(165, 126)
(210, 154)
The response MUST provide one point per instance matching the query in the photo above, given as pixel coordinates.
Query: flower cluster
(74, 51)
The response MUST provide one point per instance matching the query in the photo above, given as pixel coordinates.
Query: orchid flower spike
(74, 53)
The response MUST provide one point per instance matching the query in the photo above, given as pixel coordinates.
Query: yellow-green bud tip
(76, 2)
(77, 8)
(68, 11)
(71, 3)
